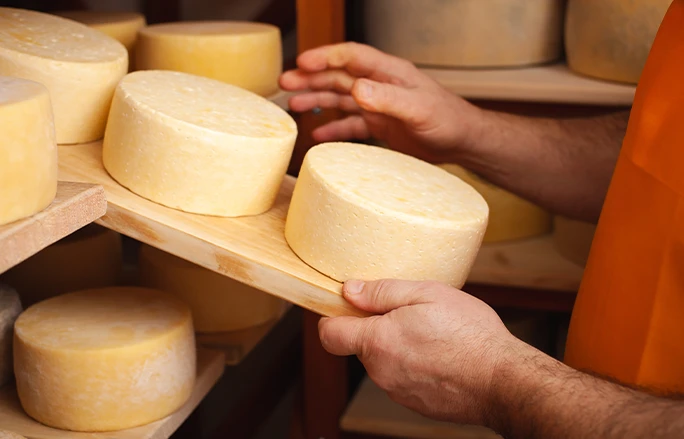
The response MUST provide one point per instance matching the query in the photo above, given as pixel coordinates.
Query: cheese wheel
(467, 33)
(510, 217)
(611, 39)
(79, 66)
(122, 26)
(365, 212)
(248, 55)
(89, 258)
(104, 359)
(10, 308)
(28, 152)
(4, 434)
(573, 238)
(196, 144)
(218, 303)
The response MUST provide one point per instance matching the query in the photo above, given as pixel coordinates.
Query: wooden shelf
(76, 205)
(372, 412)
(547, 84)
(210, 367)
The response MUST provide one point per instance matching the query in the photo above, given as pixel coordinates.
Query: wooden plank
(75, 205)
(371, 411)
(210, 367)
(550, 84)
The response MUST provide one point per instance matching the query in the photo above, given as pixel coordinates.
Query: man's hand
(388, 98)
(433, 348)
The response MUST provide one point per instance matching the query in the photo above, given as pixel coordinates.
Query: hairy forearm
(564, 165)
(540, 397)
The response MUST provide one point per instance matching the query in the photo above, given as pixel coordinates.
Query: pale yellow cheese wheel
(611, 39)
(88, 258)
(573, 238)
(122, 26)
(467, 33)
(245, 54)
(510, 217)
(10, 308)
(4, 434)
(218, 303)
(104, 359)
(28, 150)
(197, 144)
(365, 212)
(79, 66)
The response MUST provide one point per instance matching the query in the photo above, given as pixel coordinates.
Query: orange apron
(628, 320)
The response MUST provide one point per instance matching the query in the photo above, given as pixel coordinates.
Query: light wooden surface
(372, 412)
(548, 84)
(75, 205)
(210, 367)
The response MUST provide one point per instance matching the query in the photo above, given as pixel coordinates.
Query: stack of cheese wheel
(122, 26)
(79, 66)
(573, 238)
(467, 33)
(510, 217)
(365, 212)
(611, 39)
(248, 55)
(10, 308)
(218, 303)
(89, 258)
(28, 152)
(104, 359)
(196, 144)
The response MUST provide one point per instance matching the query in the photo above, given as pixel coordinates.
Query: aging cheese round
(197, 144)
(573, 238)
(88, 258)
(467, 33)
(10, 308)
(104, 359)
(80, 67)
(365, 212)
(218, 303)
(510, 217)
(4, 434)
(28, 152)
(248, 55)
(122, 26)
(611, 39)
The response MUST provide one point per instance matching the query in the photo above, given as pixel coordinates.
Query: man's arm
(543, 398)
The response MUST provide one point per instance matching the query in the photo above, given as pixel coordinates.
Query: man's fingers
(323, 99)
(408, 105)
(336, 80)
(352, 127)
(344, 335)
(383, 296)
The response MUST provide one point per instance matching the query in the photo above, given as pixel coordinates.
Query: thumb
(392, 100)
(383, 296)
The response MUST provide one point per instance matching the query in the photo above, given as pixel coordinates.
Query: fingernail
(365, 90)
(354, 286)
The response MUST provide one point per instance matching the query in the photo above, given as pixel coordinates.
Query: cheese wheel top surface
(219, 106)
(14, 90)
(101, 319)
(208, 28)
(48, 36)
(396, 183)
(98, 17)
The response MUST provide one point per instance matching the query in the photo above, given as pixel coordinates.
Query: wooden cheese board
(74, 206)
(210, 367)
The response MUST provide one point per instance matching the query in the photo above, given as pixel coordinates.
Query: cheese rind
(28, 152)
(364, 212)
(79, 66)
(248, 55)
(611, 39)
(573, 238)
(196, 144)
(510, 217)
(88, 258)
(104, 359)
(218, 303)
(10, 308)
(467, 33)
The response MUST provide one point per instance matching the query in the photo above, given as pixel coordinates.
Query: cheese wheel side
(573, 238)
(10, 308)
